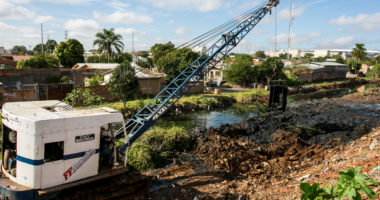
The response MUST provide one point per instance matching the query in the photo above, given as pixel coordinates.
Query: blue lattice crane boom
(233, 32)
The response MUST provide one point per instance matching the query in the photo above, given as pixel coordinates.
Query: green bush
(374, 72)
(82, 97)
(93, 81)
(158, 147)
(292, 80)
(40, 61)
(141, 157)
(350, 183)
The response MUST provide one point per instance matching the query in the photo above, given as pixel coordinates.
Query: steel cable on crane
(212, 30)
(214, 33)
(217, 31)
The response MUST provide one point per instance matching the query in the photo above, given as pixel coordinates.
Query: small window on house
(53, 151)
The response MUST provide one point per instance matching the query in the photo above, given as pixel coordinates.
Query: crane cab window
(9, 145)
(53, 151)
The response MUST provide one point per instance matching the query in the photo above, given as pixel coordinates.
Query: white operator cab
(48, 143)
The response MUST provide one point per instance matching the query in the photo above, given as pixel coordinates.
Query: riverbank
(266, 157)
(194, 102)
(254, 96)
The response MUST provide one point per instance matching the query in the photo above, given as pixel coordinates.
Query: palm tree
(359, 52)
(107, 41)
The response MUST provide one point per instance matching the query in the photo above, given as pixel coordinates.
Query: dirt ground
(267, 157)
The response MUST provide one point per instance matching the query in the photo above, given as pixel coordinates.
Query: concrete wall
(330, 73)
(16, 95)
(14, 78)
(305, 77)
(151, 86)
(53, 92)
(326, 73)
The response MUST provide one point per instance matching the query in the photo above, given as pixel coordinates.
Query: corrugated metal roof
(97, 65)
(328, 64)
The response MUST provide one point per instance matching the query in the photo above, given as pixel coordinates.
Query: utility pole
(42, 38)
(66, 35)
(133, 47)
(290, 28)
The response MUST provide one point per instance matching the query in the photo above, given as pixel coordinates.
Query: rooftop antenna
(42, 38)
(291, 18)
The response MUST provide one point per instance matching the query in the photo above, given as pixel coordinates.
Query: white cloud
(342, 42)
(8, 10)
(18, 35)
(129, 31)
(360, 22)
(171, 22)
(125, 30)
(83, 30)
(199, 5)
(297, 39)
(285, 13)
(67, 1)
(81, 27)
(182, 30)
(125, 17)
(118, 5)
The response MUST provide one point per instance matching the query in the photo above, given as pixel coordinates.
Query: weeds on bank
(158, 147)
(352, 184)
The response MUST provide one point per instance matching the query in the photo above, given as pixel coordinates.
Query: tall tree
(20, 50)
(173, 63)
(123, 82)
(50, 45)
(37, 49)
(69, 53)
(241, 72)
(359, 52)
(260, 54)
(160, 50)
(107, 41)
(271, 69)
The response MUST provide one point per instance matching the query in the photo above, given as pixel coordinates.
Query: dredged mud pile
(277, 142)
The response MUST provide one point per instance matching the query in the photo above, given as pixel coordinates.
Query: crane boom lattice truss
(191, 75)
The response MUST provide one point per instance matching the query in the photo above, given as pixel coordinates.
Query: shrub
(82, 97)
(374, 72)
(40, 61)
(292, 80)
(158, 147)
(349, 184)
(141, 157)
(94, 81)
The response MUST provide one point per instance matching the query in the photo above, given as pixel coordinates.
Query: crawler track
(125, 186)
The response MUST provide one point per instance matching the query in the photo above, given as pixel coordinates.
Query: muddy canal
(238, 112)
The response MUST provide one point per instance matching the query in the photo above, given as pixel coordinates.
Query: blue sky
(318, 24)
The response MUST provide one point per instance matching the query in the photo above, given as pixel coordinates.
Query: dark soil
(251, 159)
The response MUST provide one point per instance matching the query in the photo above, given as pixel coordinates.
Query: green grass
(373, 88)
(202, 101)
(324, 83)
(158, 147)
(242, 96)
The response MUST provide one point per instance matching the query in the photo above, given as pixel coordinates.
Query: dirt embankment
(268, 156)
